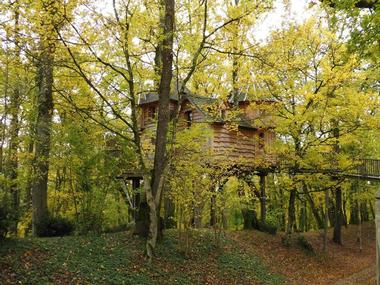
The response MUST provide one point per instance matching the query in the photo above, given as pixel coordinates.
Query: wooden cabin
(242, 132)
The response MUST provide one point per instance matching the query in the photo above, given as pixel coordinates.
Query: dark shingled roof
(153, 97)
(201, 103)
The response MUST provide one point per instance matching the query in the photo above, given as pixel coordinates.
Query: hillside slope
(246, 257)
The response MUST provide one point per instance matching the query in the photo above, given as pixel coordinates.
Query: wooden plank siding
(146, 120)
(240, 145)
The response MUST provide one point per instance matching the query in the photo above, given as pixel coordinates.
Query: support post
(263, 207)
(136, 194)
(378, 236)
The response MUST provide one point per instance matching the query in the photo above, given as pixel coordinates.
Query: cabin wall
(242, 145)
(239, 144)
(147, 120)
(197, 116)
(258, 113)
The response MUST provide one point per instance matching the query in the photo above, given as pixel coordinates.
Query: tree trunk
(303, 217)
(42, 139)
(337, 238)
(14, 126)
(141, 212)
(169, 213)
(338, 217)
(213, 210)
(326, 221)
(154, 196)
(314, 210)
(250, 219)
(364, 211)
(263, 206)
(291, 212)
(283, 212)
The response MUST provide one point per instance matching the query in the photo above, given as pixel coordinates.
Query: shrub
(268, 228)
(118, 228)
(305, 244)
(57, 226)
(5, 222)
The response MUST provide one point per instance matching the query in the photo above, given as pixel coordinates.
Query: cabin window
(151, 112)
(261, 140)
(189, 118)
(223, 114)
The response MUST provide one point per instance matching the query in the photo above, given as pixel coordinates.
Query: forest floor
(237, 257)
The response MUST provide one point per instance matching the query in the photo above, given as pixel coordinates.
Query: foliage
(248, 268)
(118, 259)
(5, 221)
(57, 227)
(305, 244)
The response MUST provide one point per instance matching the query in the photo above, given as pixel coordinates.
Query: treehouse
(242, 130)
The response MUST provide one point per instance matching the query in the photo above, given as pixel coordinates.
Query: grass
(119, 259)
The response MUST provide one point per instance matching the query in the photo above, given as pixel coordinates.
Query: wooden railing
(361, 168)
(369, 168)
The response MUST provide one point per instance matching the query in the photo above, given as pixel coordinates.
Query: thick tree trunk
(14, 126)
(291, 212)
(13, 156)
(250, 219)
(141, 211)
(291, 217)
(42, 139)
(154, 195)
(337, 238)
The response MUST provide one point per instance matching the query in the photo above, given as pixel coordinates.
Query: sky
(297, 11)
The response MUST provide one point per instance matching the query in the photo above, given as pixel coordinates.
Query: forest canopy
(147, 115)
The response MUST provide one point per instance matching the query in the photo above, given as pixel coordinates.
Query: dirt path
(364, 277)
(344, 264)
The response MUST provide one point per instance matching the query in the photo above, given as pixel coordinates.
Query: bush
(5, 222)
(268, 228)
(305, 244)
(118, 228)
(56, 227)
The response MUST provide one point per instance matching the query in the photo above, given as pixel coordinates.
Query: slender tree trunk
(337, 238)
(360, 240)
(263, 206)
(42, 138)
(326, 222)
(29, 175)
(344, 213)
(303, 217)
(213, 210)
(354, 219)
(314, 210)
(364, 211)
(338, 217)
(283, 212)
